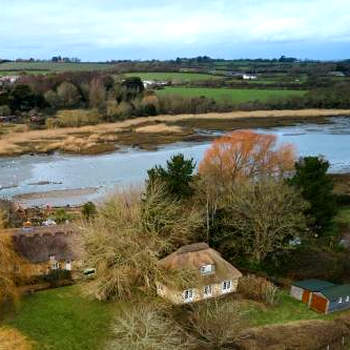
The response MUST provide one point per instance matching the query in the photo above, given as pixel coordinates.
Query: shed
(303, 290)
(332, 299)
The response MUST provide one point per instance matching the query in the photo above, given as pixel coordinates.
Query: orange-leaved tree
(246, 154)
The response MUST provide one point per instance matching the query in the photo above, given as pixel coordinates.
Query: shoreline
(150, 132)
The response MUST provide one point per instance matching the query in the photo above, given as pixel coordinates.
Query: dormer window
(207, 269)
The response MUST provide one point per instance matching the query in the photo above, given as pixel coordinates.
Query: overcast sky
(139, 29)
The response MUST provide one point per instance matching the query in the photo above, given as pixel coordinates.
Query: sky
(98, 30)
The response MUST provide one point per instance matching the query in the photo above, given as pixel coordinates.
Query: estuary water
(69, 179)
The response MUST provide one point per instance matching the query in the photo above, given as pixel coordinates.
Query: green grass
(287, 310)
(52, 67)
(61, 318)
(231, 95)
(173, 76)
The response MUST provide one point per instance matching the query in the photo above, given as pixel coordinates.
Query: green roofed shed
(336, 292)
(314, 285)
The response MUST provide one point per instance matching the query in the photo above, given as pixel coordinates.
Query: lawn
(61, 318)
(44, 67)
(231, 95)
(173, 76)
(287, 310)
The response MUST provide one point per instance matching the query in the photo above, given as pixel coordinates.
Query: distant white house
(249, 77)
(8, 79)
(154, 83)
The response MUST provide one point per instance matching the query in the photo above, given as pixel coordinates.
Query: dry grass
(12, 339)
(78, 140)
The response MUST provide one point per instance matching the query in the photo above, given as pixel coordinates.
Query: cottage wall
(177, 297)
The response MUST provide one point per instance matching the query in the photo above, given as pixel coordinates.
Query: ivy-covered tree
(177, 176)
(316, 187)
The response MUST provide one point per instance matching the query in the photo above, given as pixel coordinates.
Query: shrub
(5, 110)
(259, 289)
(89, 210)
(74, 118)
(217, 322)
(146, 327)
(54, 277)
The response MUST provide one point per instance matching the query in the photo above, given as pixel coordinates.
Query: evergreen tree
(316, 186)
(177, 176)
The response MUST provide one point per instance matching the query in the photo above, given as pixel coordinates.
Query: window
(340, 300)
(226, 286)
(207, 269)
(207, 291)
(188, 295)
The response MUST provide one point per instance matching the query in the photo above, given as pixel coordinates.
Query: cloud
(118, 25)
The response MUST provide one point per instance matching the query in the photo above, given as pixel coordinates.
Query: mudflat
(148, 132)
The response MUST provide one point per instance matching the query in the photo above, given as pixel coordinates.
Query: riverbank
(149, 132)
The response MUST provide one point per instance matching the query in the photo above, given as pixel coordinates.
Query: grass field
(44, 67)
(231, 95)
(61, 318)
(173, 76)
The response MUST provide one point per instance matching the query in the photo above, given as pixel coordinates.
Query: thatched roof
(39, 245)
(192, 257)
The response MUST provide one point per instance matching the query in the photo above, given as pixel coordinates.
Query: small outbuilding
(303, 290)
(213, 275)
(336, 298)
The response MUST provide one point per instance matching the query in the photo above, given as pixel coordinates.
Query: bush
(217, 322)
(54, 277)
(147, 327)
(89, 210)
(258, 289)
(74, 118)
(5, 110)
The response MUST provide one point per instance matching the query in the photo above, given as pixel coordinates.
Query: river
(68, 179)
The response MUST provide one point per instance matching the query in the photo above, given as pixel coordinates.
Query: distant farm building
(213, 276)
(303, 290)
(336, 298)
(249, 77)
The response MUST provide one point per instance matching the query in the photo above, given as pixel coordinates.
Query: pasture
(173, 76)
(235, 96)
(45, 67)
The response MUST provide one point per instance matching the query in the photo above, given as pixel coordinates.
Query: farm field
(173, 76)
(231, 95)
(44, 67)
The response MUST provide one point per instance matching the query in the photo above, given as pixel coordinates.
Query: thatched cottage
(213, 275)
(46, 248)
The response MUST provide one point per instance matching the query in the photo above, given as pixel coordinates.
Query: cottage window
(188, 295)
(207, 269)
(226, 286)
(207, 291)
(340, 300)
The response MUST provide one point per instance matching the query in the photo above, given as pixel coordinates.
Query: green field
(231, 95)
(173, 76)
(44, 67)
